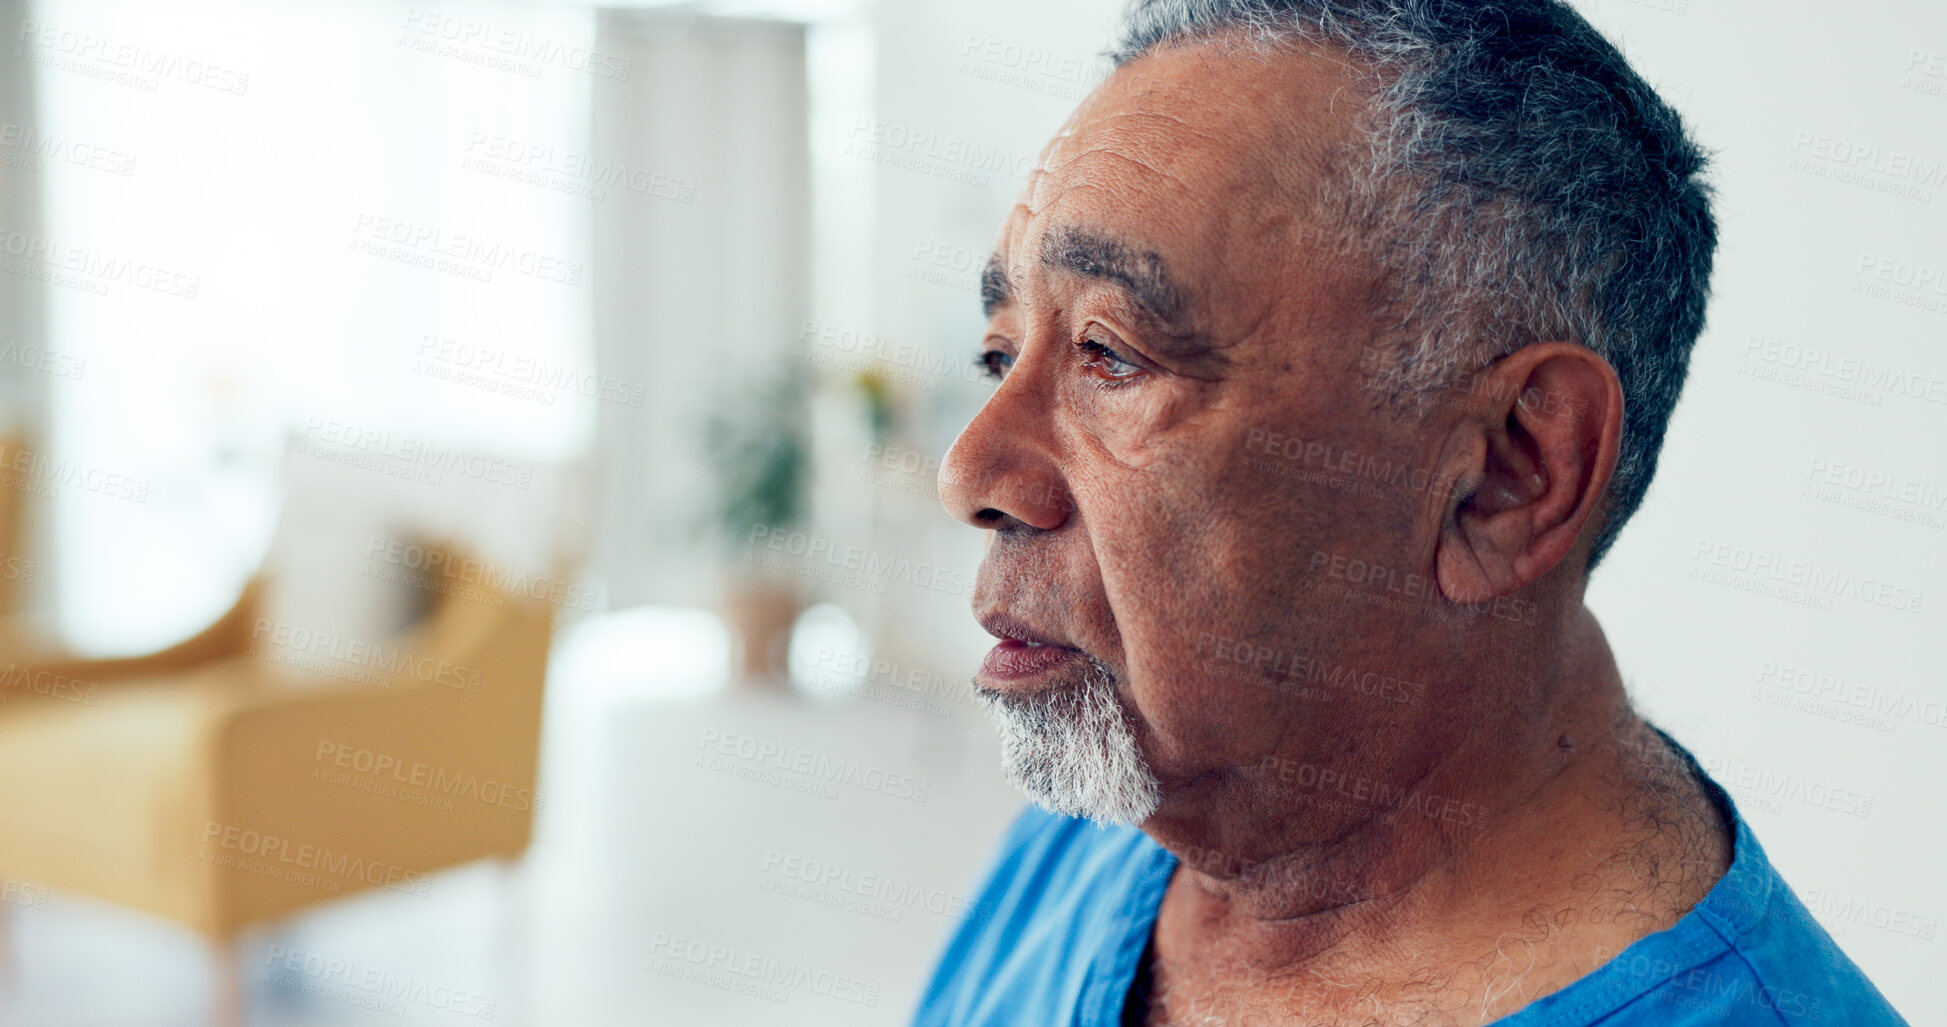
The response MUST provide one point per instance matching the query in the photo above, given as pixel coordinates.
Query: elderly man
(1335, 341)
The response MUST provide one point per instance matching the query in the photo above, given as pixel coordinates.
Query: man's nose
(1003, 469)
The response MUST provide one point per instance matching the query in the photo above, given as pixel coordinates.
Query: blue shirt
(1072, 905)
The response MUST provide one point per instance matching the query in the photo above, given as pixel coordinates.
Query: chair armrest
(379, 787)
(24, 665)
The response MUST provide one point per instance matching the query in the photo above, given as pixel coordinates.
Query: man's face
(1170, 313)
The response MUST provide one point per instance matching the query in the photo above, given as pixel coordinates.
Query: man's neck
(1574, 833)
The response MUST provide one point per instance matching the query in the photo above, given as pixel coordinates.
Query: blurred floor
(640, 842)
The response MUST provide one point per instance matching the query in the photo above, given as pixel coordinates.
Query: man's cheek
(1134, 425)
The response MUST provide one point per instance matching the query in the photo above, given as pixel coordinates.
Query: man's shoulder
(1059, 894)
(1794, 966)
(1780, 959)
(1783, 971)
(1749, 954)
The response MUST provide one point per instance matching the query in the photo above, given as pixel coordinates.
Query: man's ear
(1531, 466)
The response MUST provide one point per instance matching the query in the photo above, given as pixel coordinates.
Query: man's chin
(1130, 814)
(1071, 751)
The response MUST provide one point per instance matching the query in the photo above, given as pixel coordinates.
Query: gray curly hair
(1521, 183)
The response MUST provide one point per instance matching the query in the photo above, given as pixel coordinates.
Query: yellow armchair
(234, 791)
(15, 567)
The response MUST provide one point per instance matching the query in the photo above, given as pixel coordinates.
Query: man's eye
(1106, 361)
(994, 364)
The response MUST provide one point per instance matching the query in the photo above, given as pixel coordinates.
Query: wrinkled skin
(1145, 503)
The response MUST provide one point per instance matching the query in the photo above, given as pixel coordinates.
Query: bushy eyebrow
(994, 290)
(1140, 273)
(1076, 251)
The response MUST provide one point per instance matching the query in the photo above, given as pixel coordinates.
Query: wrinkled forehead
(1212, 156)
(1226, 113)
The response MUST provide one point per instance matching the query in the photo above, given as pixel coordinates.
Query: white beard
(1072, 751)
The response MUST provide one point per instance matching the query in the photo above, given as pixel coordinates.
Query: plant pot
(761, 610)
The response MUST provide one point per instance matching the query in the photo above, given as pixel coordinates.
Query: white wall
(1765, 87)
(298, 166)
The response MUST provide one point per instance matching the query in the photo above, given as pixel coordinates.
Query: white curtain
(700, 297)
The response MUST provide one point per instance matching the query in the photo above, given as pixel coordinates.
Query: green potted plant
(758, 448)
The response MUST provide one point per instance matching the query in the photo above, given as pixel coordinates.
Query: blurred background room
(469, 542)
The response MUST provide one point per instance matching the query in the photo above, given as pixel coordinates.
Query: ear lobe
(1546, 431)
